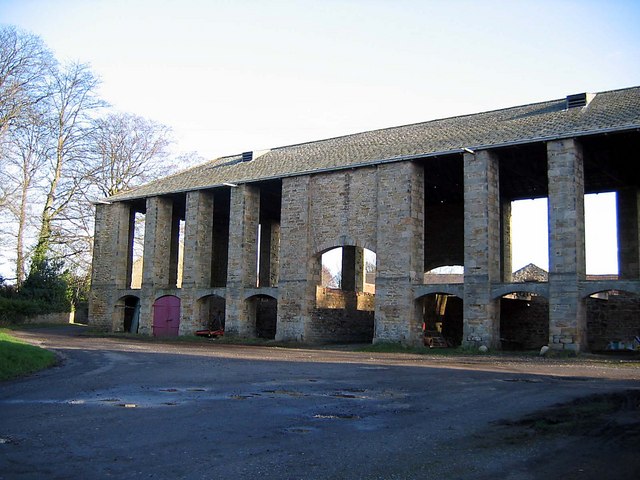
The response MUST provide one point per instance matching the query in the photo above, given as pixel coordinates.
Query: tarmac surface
(121, 408)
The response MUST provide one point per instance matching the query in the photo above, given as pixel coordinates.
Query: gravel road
(121, 408)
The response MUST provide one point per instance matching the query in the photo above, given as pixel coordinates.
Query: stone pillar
(297, 282)
(628, 211)
(198, 240)
(111, 271)
(158, 233)
(567, 312)
(269, 251)
(400, 252)
(198, 250)
(274, 254)
(505, 246)
(243, 256)
(482, 235)
(352, 269)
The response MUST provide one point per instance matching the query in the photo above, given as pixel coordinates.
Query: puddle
(337, 416)
(289, 393)
(244, 397)
(300, 430)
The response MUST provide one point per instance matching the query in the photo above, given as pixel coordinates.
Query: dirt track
(126, 409)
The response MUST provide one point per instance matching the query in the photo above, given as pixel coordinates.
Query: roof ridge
(441, 119)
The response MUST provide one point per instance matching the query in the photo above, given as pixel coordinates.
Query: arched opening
(442, 323)
(166, 316)
(211, 313)
(524, 321)
(349, 268)
(128, 314)
(613, 321)
(264, 310)
(345, 296)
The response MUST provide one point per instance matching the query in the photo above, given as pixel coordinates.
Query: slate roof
(615, 110)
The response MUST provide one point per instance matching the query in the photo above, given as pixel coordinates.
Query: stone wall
(58, 318)
(335, 298)
(616, 319)
(524, 324)
(343, 209)
(340, 326)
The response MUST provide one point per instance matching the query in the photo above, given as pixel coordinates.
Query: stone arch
(211, 312)
(263, 315)
(444, 261)
(524, 316)
(343, 241)
(127, 314)
(456, 290)
(525, 288)
(442, 319)
(590, 288)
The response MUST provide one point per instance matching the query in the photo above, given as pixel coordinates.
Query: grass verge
(18, 358)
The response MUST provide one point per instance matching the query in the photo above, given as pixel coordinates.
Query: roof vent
(579, 100)
(249, 156)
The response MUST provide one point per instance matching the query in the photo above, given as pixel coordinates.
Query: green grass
(18, 358)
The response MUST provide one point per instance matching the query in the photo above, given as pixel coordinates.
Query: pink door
(166, 316)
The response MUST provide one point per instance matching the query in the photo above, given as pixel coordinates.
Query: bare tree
(24, 168)
(73, 99)
(130, 150)
(24, 67)
(56, 154)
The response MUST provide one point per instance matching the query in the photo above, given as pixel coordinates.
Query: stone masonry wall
(616, 319)
(524, 324)
(343, 209)
(341, 326)
(110, 262)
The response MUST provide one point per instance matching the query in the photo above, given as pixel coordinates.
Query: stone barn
(239, 241)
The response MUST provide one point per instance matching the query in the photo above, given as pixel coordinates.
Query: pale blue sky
(231, 76)
(237, 75)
